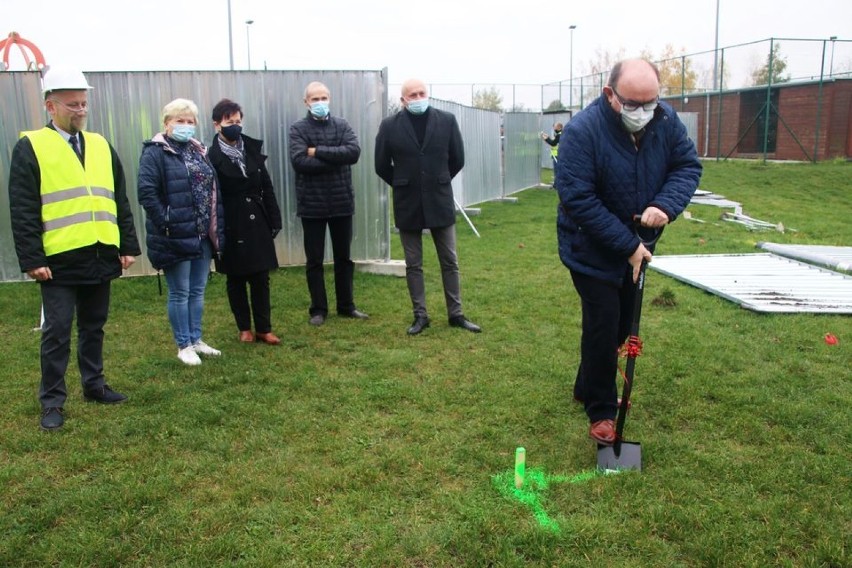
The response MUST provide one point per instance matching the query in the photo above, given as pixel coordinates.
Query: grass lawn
(356, 445)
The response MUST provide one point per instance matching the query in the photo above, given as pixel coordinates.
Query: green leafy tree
(774, 59)
(488, 99)
(554, 106)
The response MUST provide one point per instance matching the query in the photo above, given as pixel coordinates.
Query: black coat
(324, 181)
(88, 265)
(252, 216)
(421, 178)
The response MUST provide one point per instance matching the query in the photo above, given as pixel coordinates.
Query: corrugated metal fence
(479, 181)
(522, 151)
(126, 108)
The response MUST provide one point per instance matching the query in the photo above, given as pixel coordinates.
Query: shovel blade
(629, 457)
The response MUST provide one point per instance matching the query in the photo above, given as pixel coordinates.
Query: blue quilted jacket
(164, 192)
(603, 181)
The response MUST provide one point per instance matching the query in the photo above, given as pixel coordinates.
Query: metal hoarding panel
(763, 282)
(126, 107)
(835, 258)
(479, 181)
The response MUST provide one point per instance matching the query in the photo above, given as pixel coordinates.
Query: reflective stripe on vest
(77, 205)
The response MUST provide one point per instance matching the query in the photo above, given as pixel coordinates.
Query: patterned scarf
(236, 153)
(201, 181)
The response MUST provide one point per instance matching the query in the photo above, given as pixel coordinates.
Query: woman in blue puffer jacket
(178, 188)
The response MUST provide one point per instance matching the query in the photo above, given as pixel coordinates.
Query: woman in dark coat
(252, 219)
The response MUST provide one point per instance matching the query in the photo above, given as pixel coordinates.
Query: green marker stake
(520, 467)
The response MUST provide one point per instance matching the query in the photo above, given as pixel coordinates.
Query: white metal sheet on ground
(716, 201)
(763, 282)
(836, 258)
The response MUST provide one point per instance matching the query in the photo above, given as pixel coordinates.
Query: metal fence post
(768, 100)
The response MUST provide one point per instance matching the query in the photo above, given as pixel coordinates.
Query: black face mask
(231, 132)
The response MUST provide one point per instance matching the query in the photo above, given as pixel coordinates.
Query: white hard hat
(58, 79)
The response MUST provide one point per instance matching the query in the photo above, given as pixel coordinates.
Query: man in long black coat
(419, 150)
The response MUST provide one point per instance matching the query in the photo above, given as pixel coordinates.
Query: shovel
(623, 454)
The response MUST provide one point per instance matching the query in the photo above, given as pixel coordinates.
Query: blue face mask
(319, 109)
(419, 106)
(183, 132)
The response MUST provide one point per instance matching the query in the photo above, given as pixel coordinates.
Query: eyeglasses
(76, 108)
(635, 105)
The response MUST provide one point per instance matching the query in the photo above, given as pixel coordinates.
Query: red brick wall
(797, 110)
(839, 128)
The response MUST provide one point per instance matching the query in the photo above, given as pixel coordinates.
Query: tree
(488, 99)
(676, 72)
(774, 59)
(554, 106)
(596, 73)
(604, 61)
(723, 78)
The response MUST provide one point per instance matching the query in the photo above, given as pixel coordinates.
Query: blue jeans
(187, 281)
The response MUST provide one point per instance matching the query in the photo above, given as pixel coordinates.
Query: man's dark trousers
(60, 302)
(340, 229)
(607, 317)
(445, 246)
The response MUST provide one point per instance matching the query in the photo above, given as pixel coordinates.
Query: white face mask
(636, 120)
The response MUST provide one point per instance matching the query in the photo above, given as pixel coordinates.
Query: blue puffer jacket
(603, 181)
(164, 192)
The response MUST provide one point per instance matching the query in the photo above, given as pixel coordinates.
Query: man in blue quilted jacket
(625, 155)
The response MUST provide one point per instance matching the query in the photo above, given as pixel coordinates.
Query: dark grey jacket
(324, 181)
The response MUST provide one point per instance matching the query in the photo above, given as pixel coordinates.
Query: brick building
(807, 121)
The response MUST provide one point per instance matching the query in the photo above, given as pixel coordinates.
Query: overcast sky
(440, 41)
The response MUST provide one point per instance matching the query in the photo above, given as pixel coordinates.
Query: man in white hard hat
(74, 233)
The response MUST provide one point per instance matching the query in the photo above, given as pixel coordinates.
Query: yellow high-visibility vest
(554, 150)
(77, 204)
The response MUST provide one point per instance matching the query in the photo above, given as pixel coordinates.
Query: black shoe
(51, 418)
(317, 319)
(462, 322)
(354, 314)
(420, 323)
(104, 395)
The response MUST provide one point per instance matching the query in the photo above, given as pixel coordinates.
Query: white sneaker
(188, 356)
(204, 349)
